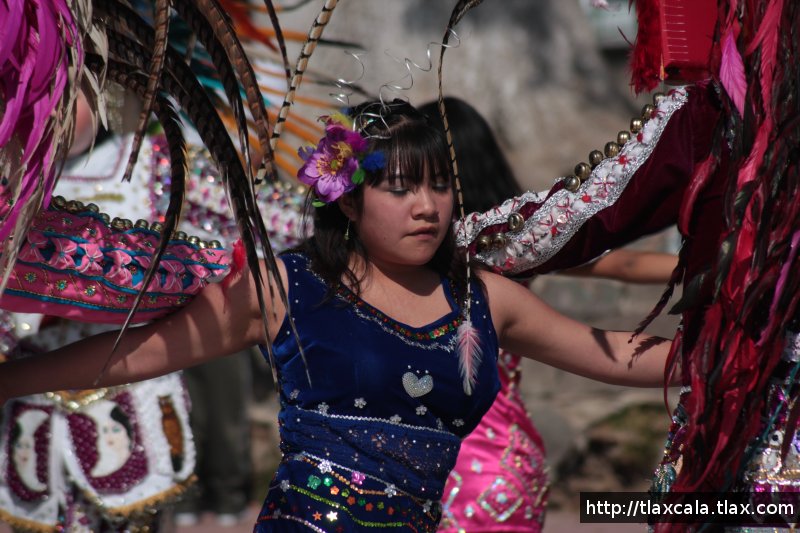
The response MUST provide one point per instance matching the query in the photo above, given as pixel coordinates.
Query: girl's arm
(218, 322)
(527, 326)
(632, 266)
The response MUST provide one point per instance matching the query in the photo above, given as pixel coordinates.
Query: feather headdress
(55, 47)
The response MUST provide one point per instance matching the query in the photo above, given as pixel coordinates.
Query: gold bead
(498, 240)
(647, 111)
(515, 222)
(658, 98)
(157, 226)
(215, 244)
(611, 149)
(141, 223)
(202, 245)
(583, 171)
(59, 202)
(127, 223)
(623, 137)
(636, 125)
(179, 236)
(92, 208)
(596, 157)
(194, 240)
(105, 218)
(572, 183)
(73, 206)
(484, 242)
(118, 223)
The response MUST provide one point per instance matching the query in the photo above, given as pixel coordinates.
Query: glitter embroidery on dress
(416, 387)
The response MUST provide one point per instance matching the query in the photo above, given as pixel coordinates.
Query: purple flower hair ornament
(339, 161)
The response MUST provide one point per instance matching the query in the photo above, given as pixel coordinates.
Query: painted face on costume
(23, 453)
(116, 436)
(404, 223)
(114, 445)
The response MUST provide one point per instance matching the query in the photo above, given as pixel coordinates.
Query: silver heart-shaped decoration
(416, 387)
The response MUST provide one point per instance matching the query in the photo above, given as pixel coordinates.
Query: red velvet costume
(725, 169)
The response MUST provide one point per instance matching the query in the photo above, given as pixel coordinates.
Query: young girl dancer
(375, 403)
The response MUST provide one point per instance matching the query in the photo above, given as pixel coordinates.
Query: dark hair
(409, 143)
(485, 175)
(119, 416)
(15, 434)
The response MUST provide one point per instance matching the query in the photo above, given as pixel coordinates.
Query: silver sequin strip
(566, 211)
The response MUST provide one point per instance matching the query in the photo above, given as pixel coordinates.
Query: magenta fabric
(500, 480)
(77, 266)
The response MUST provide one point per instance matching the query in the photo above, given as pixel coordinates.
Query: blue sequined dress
(370, 444)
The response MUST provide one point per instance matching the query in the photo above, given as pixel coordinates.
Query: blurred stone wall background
(553, 86)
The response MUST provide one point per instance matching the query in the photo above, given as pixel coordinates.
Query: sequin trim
(364, 309)
(424, 338)
(555, 222)
(373, 419)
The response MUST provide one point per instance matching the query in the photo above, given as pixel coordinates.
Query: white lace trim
(559, 217)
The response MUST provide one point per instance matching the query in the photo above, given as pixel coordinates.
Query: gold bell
(215, 244)
(647, 111)
(515, 222)
(658, 98)
(179, 236)
(92, 208)
(59, 202)
(118, 223)
(74, 206)
(194, 240)
(611, 149)
(105, 218)
(498, 240)
(484, 242)
(636, 125)
(141, 223)
(623, 137)
(572, 183)
(583, 171)
(595, 157)
(157, 226)
(127, 223)
(202, 245)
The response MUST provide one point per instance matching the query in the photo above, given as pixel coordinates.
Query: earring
(347, 231)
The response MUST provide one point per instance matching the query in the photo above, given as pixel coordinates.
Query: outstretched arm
(631, 266)
(636, 190)
(216, 323)
(527, 326)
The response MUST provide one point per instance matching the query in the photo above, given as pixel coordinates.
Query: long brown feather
(456, 15)
(123, 18)
(161, 27)
(314, 35)
(226, 36)
(167, 116)
(273, 17)
(180, 82)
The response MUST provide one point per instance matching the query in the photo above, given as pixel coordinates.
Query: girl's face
(401, 223)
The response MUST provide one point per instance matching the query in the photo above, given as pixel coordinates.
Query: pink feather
(767, 38)
(773, 308)
(470, 354)
(731, 70)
